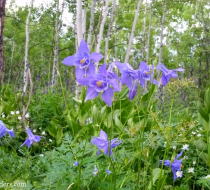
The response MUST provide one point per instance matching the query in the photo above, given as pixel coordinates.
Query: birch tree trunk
(149, 32)
(54, 71)
(144, 31)
(161, 33)
(132, 32)
(79, 22)
(26, 65)
(109, 29)
(92, 11)
(100, 36)
(84, 22)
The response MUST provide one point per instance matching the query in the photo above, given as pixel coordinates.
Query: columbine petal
(107, 96)
(85, 81)
(126, 79)
(103, 135)
(69, 61)
(102, 69)
(91, 93)
(83, 47)
(114, 84)
(143, 65)
(90, 70)
(133, 91)
(178, 155)
(96, 57)
(80, 73)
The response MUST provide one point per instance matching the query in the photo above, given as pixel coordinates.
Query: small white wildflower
(43, 133)
(27, 115)
(185, 147)
(40, 128)
(180, 135)
(50, 140)
(3, 116)
(17, 112)
(179, 173)
(190, 170)
(185, 157)
(199, 135)
(207, 177)
(194, 162)
(12, 112)
(174, 147)
(193, 132)
(34, 130)
(41, 155)
(19, 118)
(182, 129)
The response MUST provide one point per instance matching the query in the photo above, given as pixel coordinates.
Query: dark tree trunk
(2, 61)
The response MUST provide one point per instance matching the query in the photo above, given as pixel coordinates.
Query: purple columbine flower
(100, 82)
(76, 163)
(167, 74)
(83, 61)
(144, 73)
(175, 165)
(108, 172)
(31, 138)
(128, 73)
(103, 145)
(3, 130)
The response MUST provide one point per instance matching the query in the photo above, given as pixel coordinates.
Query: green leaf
(59, 135)
(155, 176)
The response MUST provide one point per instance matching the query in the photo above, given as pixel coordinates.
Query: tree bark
(2, 60)
(132, 32)
(79, 22)
(54, 71)
(13, 48)
(84, 10)
(161, 33)
(149, 32)
(100, 36)
(92, 11)
(26, 65)
(109, 29)
(144, 31)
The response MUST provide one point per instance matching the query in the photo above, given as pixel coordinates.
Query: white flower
(180, 135)
(194, 162)
(17, 112)
(41, 155)
(40, 128)
(43, 133)
(179, 173)
(193, 132)
(50, 140)
(185, 157)
(190, 170)
(207, 177)
(12, 112)
(198, 135)
(174, 147)
(27, 115)
(3, 115)
(34, 130)
(182, 129)
(185, 147)
(19, 118)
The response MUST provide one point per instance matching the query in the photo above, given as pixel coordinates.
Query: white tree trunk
(26, 66)
(132, 32)
(144, 31)
(92, 11)
(84, 22)
(54, 71)
(149, 33)
(109, 29)
(161, 33)
(79, 22)
(115, 39)
(100, 36)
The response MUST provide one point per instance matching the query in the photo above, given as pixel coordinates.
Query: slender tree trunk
(100, 36)
(26, 65)
(149, 32)
(144, 31)
(79, 22)
(13, 48)
(54, 71)
(92, 10)
(84, 10)
(109, 30)
(2, 60)
(161, 33)
(115, 38)
(132, 32)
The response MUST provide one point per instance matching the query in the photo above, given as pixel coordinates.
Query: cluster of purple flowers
(29, 141)
(105, 81)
